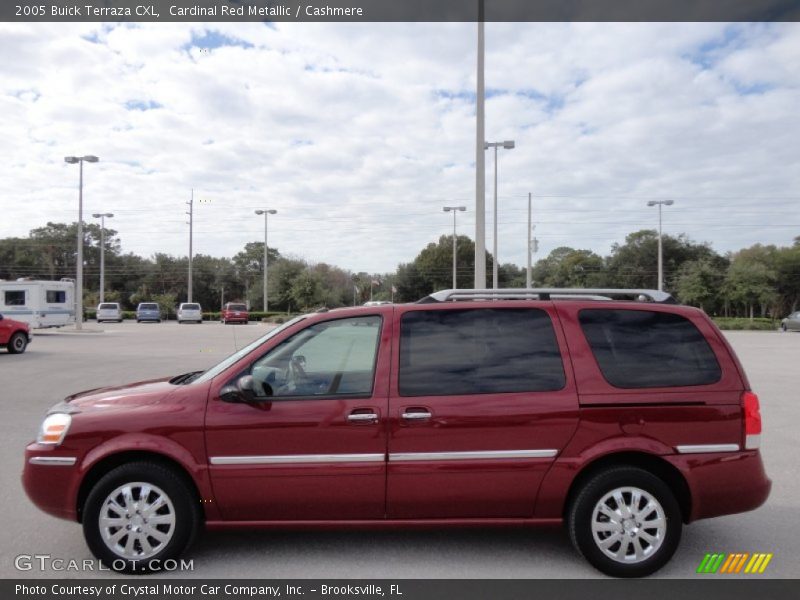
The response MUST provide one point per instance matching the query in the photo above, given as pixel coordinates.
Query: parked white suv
(190, 311)
(109, 311)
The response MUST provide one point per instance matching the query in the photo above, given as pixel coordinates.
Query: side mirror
(246, 386)
(242, 391)
(1, 317)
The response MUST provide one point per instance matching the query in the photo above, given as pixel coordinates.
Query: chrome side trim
(281, 459)
(703, 448)
(471, 455)
(54, 461)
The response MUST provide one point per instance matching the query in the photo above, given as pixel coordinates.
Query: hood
(124, 396)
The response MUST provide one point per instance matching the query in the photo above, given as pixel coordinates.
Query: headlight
(54, 429)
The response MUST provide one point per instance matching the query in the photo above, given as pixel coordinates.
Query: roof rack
(550, 294)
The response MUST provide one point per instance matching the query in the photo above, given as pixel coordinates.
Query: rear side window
(56, 296)
(647, 349)
(478, 351)
(15, 298)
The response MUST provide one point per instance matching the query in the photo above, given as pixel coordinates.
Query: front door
(481, 404)
(313, 444)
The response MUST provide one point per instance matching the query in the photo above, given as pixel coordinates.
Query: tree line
(761, 280)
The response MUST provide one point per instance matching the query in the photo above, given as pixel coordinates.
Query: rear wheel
(139, 515)
(17, 343)
(783, 327)
(626, 522)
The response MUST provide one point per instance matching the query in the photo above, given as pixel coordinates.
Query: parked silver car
(190, 312)
(109, 311)
(792, 322)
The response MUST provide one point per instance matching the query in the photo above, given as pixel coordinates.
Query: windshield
(148, 307)
(217, 369)
(190, 307)
(108, 306)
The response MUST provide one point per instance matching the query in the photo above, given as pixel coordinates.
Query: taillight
(752, 421)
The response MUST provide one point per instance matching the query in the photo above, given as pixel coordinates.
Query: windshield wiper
(185, 378)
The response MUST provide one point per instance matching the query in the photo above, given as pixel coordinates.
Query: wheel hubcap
(19, 343)
(628, 525)
(137, 520)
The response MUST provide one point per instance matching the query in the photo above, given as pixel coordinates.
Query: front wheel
(626, 522)
(17, 343)
(139, 515)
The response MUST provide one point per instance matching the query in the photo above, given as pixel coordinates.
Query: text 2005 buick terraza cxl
(617, 412)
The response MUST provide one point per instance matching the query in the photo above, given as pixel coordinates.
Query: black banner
(398, 10)
(145, 588)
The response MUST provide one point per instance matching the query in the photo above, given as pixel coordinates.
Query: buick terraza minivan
(616, 412)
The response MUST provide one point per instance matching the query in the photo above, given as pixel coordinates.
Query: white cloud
(358, 134)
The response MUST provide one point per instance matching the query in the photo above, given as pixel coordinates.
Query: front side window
(325, 359)
(56, 296)
(646, 349)
(15, 298)
(478, 351)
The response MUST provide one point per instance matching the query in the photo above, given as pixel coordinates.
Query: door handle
(362, 418)
(416, 416)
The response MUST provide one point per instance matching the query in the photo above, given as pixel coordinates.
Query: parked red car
(234, 312)
(14, 335)
(621, 419)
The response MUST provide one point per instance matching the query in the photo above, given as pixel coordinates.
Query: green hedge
(745, 324)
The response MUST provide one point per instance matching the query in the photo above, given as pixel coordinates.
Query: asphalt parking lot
(59, 363)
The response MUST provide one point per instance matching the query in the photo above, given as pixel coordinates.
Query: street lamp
(266, 213)
(660, 203)
(79, 278)
(508, 145)
(102, 217)
(454, 210)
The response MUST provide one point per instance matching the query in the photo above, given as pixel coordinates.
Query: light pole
(660, 203)
(508, 145)
(454, 210)
(480, 161)
(102, 217)
(266, 213)
(79, 278)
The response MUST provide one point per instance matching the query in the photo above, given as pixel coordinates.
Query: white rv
(38, 303)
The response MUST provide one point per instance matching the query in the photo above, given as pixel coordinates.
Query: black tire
(17, 343)
(783, 327)
(187, 519)
(581, 513)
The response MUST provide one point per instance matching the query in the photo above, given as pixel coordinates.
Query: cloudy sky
(358, 134)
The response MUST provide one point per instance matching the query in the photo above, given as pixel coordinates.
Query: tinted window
(478, 351)
(190, 306)
(15, 298)
(108, 306)
(239, 307)
(56, 296)
(324, 359)
(643, 349)
(148, 307)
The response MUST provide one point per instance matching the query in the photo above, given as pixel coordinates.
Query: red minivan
(234, 312)
(615, 412)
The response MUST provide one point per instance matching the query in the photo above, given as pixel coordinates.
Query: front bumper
(50, 479)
